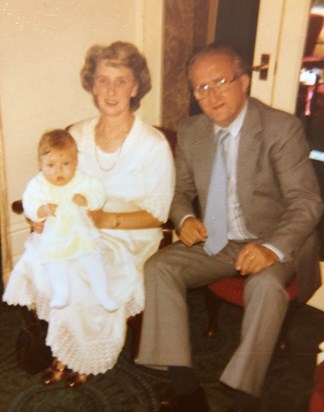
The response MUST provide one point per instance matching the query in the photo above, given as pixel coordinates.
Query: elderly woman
(134, 163)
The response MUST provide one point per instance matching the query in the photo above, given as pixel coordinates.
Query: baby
(69, 244)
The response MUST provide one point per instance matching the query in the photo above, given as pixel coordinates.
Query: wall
(42, 48)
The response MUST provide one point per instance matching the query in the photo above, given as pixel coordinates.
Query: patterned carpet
(130, 388)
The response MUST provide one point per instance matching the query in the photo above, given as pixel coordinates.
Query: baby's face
(58, 166)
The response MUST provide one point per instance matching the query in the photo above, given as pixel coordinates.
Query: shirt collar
(234, 128)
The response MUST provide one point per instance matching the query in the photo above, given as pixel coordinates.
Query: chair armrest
(167, 229)
(17, 207)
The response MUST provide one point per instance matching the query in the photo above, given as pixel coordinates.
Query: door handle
(263, 67)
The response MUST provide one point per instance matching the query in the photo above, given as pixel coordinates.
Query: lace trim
(67, 340)
(157, 206)
(94, 357)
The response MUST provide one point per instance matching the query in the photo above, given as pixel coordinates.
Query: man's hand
(253, 258)
(192, 231)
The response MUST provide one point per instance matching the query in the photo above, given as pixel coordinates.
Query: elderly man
(248, 166)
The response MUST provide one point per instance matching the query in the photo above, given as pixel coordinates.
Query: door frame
(6, 264)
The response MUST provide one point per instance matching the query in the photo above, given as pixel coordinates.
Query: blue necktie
(216, 209)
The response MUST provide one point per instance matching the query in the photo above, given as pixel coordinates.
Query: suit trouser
(165, 337)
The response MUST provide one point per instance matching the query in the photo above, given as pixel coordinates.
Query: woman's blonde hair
(118, 54)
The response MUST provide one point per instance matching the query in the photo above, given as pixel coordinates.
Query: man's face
(223, 103)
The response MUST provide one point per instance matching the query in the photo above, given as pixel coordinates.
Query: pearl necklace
(117, 153)
(117, 156)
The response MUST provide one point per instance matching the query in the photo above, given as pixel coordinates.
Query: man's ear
(245, 80)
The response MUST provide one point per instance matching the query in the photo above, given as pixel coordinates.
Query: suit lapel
(204, 149)
(248, 155)
(249, 150)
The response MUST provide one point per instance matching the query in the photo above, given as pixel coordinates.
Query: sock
(183, 380)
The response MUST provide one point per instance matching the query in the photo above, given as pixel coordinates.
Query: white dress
(52, 258)
(140, 176)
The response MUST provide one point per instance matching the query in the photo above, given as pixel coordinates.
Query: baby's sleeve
(32, 200)
(94, 192)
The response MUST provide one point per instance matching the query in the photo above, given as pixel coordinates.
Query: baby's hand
(79, 200)
(47, 210)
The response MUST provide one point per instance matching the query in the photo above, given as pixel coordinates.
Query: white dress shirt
(237, 229)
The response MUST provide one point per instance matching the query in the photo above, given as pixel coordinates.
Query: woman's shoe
(76, 379)
(56, 373)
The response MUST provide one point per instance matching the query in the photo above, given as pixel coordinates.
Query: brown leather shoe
(195, 402)
(238, 408)
(244, 403)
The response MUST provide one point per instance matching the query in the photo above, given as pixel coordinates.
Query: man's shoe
(237, 408)
(195, 402)
(244, 403)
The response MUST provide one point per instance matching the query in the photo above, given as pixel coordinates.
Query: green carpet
(130, 388)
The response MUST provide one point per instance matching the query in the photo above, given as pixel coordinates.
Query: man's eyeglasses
(217, 85)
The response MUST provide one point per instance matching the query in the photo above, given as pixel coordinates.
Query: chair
(318, 101)
(17, 207)
(316, 403)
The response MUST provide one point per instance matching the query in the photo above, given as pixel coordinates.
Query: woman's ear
(134, 90)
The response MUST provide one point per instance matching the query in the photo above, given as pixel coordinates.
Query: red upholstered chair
(316, 403)
(231, 290)
(318, 101)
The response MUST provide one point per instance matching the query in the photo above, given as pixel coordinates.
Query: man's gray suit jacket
(277, 188)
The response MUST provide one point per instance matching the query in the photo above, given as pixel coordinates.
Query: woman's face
(113, 88)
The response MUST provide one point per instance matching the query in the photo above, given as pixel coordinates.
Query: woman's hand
(100, 219)
(47, 210)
